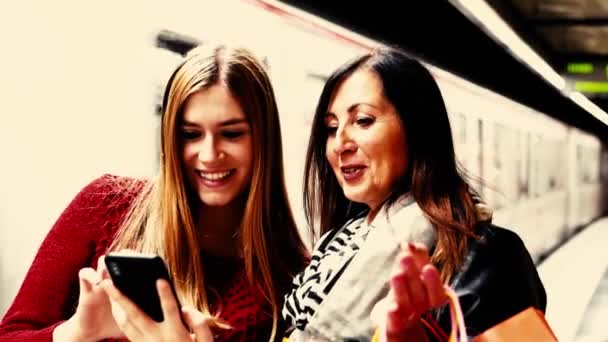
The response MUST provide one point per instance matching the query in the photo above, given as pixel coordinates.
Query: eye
(188, 134)
(232, 134)
(364, 121)
(331, 130)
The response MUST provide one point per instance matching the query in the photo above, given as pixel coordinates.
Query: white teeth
(213, 176)
(350, 169)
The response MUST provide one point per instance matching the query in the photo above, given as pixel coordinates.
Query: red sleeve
(49, 292)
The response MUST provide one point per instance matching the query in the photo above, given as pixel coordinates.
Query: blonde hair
(161, 221)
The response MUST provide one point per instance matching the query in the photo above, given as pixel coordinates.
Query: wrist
(69, 331)
(412, 331)
(416, 332)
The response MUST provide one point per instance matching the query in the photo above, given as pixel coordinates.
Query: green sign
(591, 87)
(580, 68)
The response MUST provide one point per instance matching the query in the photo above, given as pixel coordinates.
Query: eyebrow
(228, 122)
(353, 107)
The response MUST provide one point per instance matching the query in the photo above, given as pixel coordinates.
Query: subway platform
(576, 280)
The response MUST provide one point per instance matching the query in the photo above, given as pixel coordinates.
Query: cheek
(188, 152)
(396, 160)
(331, 158)
(388, 160)
(246, 155)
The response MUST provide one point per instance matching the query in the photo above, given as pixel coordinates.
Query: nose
(208, 150)
(343, 141)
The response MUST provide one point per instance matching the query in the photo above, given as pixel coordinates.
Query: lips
(352, 172)
(215, 178)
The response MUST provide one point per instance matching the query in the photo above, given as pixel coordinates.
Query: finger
(400, 291)
(396, 319)
(134, 321)
(400, 308)
(379, 312)
(101, 262)
(418, 250)
(199, 324)
(416, 288)
(434, 286)
(102, 270)
(168, 303)
(88, 279)
(127, 329)
(122, 320)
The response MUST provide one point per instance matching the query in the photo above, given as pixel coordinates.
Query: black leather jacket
(498, 279)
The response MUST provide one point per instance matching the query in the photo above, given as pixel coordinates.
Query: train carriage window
(523, 164)
(535, 166)
(478, 155)
(604, 165)
(594, 165)
(458, 125)
(552, 161)
(505, 165)
(588, 164)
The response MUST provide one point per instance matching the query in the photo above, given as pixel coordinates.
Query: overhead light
(589, 106)
(479, 11)
(486, 17)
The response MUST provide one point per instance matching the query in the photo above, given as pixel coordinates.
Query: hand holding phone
(135, 275)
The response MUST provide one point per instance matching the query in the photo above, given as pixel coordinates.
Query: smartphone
(135, 276)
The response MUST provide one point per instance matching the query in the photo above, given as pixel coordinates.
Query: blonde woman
(217, 213)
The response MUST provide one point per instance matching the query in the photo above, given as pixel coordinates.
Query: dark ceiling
(439, 33)
(565, 32)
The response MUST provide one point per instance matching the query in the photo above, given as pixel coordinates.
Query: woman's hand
(137, 326)
(415, 288)
(93, 318)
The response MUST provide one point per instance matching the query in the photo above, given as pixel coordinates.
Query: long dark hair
(432, 177)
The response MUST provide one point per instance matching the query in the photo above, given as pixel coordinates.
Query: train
(544, 179)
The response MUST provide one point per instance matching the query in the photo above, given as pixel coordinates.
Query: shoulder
(497, 279)
(499, 243)
(108, 191)
(497, 249)
(113, 185)
(492, 234)
(102, 202)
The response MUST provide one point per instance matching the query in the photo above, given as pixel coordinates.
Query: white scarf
(361, 279)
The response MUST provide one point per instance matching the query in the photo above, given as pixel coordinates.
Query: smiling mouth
(351, 169)
(352, 173)
(215, 176)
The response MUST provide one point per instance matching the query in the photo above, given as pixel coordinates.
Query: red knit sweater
(83, 232)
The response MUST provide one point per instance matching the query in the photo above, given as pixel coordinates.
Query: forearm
(24, 332)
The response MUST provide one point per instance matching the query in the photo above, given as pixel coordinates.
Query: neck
(403, 200)
(219, 228)
(372, 214)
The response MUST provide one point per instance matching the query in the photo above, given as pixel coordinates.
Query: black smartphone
(135, 276)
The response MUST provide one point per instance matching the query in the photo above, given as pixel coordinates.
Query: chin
(216, 201)
(355, 196)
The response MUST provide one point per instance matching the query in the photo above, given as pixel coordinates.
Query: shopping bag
(458, 331)
(528, 325)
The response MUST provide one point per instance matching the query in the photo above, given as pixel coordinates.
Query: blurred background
(82, 83)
